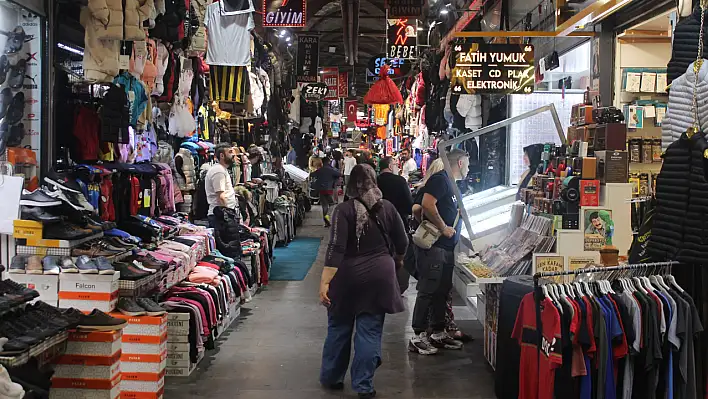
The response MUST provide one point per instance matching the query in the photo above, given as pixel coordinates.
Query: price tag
(140, 49)
(123, 62)
(131, 96)
(146, 198)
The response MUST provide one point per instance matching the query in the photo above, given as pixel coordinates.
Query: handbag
(427, 234)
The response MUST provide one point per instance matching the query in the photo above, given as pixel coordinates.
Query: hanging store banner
(481, 68)
(308, 57)
(399, 67)
(343, 84)
(284, 13)
(314, 91)
(330, 77)
(404, 8)
(351, 107)
(402, 39)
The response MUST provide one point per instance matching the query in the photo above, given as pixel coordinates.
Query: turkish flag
(351, 107)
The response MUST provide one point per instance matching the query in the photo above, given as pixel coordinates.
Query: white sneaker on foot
(421, 344)
(444, 340)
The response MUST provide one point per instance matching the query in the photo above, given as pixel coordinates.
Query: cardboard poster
(598, 228)
(580, 262)
(550, 263)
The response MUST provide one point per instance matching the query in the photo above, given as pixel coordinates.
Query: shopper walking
(358, 284)
(324, 179)
(409, 164)
(435, 265)
(217, 183)
(395, 189)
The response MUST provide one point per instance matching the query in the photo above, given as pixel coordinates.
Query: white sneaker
(444, 340)
(421, 344)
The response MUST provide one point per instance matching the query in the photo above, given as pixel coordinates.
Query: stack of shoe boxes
(89, 291)
(46, 284)
(178, 360)
(144, 356)
(90, 368)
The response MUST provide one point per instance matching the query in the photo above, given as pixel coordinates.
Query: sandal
(15, 41)
(17, 109)
(5, 100)
(17, 74)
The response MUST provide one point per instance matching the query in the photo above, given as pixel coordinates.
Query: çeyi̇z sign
(314, 91)
(404, 8)
(402, 39)
(308, 56)
(284, 13)
(481, 68)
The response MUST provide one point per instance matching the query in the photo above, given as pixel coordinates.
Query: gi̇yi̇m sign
(284, 13)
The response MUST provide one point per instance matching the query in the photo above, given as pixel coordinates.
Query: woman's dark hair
(361, 180)
(534, 152)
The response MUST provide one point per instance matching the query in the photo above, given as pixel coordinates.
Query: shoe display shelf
(144, 356)
(140, 287)
(90, 368)
(87, 292)
(179, 363)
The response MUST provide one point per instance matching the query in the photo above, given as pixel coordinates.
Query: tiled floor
(274, 351)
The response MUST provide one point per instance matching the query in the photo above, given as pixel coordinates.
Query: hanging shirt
(229, 37)
(137, 97)
(536, 377)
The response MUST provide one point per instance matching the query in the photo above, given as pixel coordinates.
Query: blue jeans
(367, 350)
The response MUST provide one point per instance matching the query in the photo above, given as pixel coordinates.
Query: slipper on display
(15, 41)
(17, 109)
(17, 134)
(4, 68)
(17, 74)
(5, 100)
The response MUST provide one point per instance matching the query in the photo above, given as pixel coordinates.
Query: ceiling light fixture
(70, 49)
(443, 11)
(287, 39)
(283, 32)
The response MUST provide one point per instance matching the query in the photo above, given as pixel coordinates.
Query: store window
(21, 66)
(563, 87)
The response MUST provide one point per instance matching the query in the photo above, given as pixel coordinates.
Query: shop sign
(308, 55)
(314, 91)
(330, 77)
(343, 84)
(404, 8)
(399, 67)
(362, 123)
(351, 107)
(481, 68)
(284, 13)
(402, 39)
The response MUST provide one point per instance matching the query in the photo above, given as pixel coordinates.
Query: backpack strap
(373, 216)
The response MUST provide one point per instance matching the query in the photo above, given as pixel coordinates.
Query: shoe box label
(143, 376)
(87, 360)
(88, 296)
(149, 320)
(144, 358)
(144, 339)
(176, 347)
(98, 336)
(142, 395)
(179, 371)
(177, 316)
(85, 383)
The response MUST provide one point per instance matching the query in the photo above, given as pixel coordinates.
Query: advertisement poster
(550, 263)
(481, 68)
(402, 39)
(32, 84)
(308, 57)
(330, 77)
(598, 228)
(284, 13)
(343, 84)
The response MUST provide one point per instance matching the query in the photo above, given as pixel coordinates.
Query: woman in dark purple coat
(359, 284)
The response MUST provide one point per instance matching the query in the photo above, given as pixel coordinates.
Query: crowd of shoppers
(369, 244)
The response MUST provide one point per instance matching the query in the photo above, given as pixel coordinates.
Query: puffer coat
(109, 20)
(679, 116)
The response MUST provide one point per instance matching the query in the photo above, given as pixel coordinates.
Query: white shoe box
(139, 388)
(89, 291)
(178, 327)
(144, 344)
(85, 389)
(142, 364)
(103, 343)
(143, 325)
(46, 284)
(176, 346)
(89, 367)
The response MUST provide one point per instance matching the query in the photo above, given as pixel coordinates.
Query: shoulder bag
(427, 234)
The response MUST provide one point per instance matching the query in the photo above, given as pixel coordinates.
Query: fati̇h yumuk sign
(481, 68)
(284, 13)
(314, 91)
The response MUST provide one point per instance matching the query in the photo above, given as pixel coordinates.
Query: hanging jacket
(161, 61)
(118, 19)
(678, 115)
(685, 45)
(197, 41)
(187, 174)
(170, 80)
(469, 106)
(167, 25)
(680, 230)
(100, 61)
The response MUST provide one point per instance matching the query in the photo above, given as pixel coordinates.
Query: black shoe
(11, 289)
(129, 272)
(367, 395)
(15, 40)
(64, 231)
(4, 68)
(129, 307)
(339, 386)
(38, 198)
(17, 74)
(151, 308)
(5, 98)
(17, 134)
(62, 180)
(39, 215)
(99, 321)
(17, 109)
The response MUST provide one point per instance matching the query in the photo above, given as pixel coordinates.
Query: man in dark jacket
(395, 189)
(324, 179)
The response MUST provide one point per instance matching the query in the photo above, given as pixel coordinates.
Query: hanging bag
(427, 234)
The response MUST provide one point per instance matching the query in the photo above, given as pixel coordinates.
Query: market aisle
(274, 351)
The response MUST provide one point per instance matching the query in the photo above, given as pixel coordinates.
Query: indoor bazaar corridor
(274, 350)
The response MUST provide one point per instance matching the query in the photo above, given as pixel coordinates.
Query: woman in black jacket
(532, 157)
